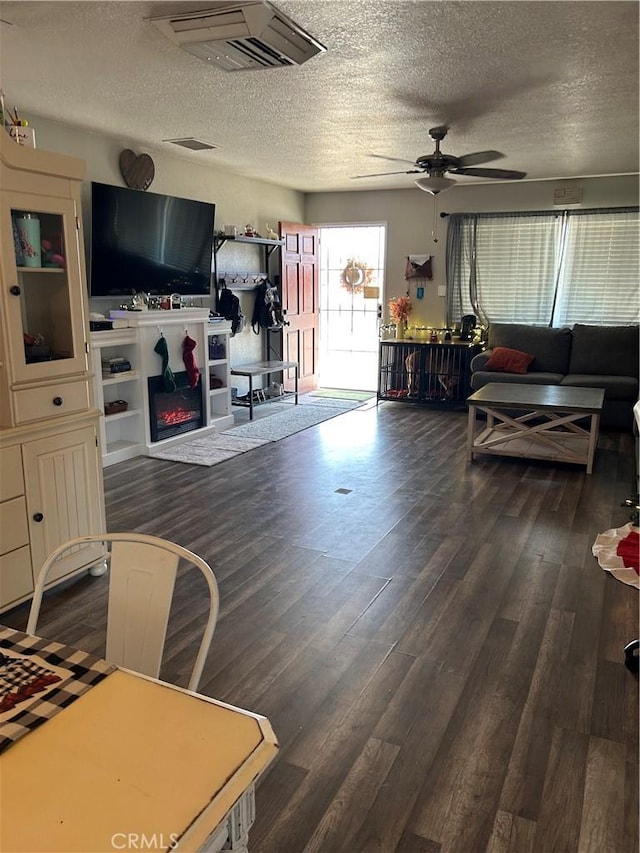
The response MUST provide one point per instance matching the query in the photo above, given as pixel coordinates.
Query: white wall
(412, 216)
(415, 226)
(239, 201)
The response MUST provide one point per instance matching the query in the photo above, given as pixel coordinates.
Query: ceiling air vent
(241, 37)
(192, 144)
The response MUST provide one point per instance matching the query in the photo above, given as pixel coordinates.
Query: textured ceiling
(552, 85)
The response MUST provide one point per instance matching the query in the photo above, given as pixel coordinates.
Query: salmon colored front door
(300, 301)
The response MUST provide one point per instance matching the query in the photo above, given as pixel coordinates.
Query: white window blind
(516, 260)
(599, 273)
(545, 269)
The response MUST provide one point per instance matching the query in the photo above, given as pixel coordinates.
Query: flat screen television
(143, 241)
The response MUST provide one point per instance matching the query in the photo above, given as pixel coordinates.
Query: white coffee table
(548, 427)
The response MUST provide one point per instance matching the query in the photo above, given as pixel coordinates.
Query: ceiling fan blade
(478, 157)
(393, 159)
(381, 174)
(504, 174)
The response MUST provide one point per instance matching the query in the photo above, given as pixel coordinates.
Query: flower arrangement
(400, 308)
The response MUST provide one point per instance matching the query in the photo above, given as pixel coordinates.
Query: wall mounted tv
(142, 241)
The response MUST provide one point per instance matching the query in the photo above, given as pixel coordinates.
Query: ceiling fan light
(434, 185)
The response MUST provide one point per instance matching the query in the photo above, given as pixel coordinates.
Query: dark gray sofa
(584, 356)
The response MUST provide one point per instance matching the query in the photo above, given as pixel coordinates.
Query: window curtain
(544, 268)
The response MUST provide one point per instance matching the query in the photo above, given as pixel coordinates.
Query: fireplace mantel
(128, 433)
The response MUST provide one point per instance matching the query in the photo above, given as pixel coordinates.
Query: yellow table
(134, 764)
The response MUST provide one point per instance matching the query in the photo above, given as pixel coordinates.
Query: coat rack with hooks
(241, 280)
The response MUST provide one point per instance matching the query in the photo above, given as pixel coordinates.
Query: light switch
(442, 290)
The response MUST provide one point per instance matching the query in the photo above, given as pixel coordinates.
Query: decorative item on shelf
(216, 349)
(399, 309)
(28, 226)
(17, 245)
(23, 135)
(356, 276)
(249, 231)
(17, 128)
(139, 301)
(35, 348)
(387, 331)
(138, 171)
(51, 258)
(115, 407)
(271, 234)
(113, 366)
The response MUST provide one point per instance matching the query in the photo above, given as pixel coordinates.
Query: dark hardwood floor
(433, 642)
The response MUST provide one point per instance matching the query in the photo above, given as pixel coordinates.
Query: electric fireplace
(176, 412)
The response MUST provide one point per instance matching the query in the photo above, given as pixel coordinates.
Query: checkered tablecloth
(38, 679)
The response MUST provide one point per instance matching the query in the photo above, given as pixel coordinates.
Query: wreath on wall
(356, 276)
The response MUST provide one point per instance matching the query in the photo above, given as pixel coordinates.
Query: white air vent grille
(192, 144)
(248, 36)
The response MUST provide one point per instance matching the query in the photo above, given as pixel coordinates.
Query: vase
(28, 226)
(401, 327)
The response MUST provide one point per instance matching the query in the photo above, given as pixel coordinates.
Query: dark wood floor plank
(527, 766)
(309, 744)
(388, 616)
(438, 651)
(603, 822)
(563, 798)
(511, 834)
(343, 818)
(461, 626)
(468, 770)
(295, 825)
(438, 699)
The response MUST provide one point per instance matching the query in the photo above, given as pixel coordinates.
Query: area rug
(339, 394)
(210, 450)
(284, 423)
(330, 402)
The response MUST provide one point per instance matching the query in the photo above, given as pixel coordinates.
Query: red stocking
(188, 357)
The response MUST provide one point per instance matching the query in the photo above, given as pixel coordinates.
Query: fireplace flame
(177, 416)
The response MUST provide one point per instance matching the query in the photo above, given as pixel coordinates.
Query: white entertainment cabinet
(127, 433)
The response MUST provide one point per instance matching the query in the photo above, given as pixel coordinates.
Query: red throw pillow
(509, 360)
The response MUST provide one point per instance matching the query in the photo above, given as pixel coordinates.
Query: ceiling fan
(435, 165)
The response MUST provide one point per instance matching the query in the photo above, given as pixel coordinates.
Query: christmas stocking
(168, 379)
(188, 357)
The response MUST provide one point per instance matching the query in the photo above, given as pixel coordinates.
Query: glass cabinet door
(45, 288)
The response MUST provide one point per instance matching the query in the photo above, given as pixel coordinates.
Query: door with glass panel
(352, 262)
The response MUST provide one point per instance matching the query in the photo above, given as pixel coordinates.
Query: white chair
(142, 576)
